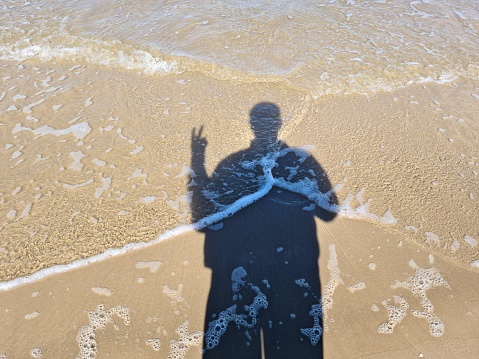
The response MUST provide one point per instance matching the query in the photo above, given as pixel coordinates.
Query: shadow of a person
(265, 296)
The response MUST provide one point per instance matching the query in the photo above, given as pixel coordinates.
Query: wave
(314, 77)
(63, 46)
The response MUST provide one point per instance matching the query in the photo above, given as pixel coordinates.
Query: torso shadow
(274, 241)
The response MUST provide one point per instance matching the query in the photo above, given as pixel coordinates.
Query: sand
(404, 163)
(166, 286)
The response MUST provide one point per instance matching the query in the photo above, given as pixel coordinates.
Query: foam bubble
(98, 319)
(98, 162)
(154, 344)
(26, 211)
(302, 283)
(218, 327)
(355, 287)
(137, 150)
(475, 264)
(75, 186)
(179, 348)
(106, 182)
(422, 281)
(455, 245)
(396, 315)
(316, 331)
(217, 226)
(36, 353)
(11, 214)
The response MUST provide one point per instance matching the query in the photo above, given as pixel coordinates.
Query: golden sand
(408, 156)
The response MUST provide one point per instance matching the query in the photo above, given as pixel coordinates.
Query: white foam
(423, 280)
(333, 282)
(148, 199)
(32, 315)
(106, 182)
(475, 264)
(153, 266)
(102, 291)
(98, 162)
(218, 327)
(355, 287)
(187, 171)
(455, 245)
(138, 173)
(471, 241)
(179, 348)
(97, 52)
(98, 319)
(432, 237)
(36, 353)
(217, 226)
(18, 97)
(80, 130)
(316, 331)
(27, 109)
(16, 154)
(137, 150)
(26, 211)
(174, 294)
(77, 157)
(154, 343)
(396, 315)
(12, 214)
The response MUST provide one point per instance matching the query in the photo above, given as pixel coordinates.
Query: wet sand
(403, 163)
(408, 157)
(165, 286)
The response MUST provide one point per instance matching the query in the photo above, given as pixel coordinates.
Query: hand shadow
(265, 295)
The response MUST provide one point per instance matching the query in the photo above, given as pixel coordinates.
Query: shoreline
(421, 140)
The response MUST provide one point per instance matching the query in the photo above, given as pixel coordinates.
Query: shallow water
(325, 47)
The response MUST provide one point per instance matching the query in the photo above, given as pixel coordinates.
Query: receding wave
(63, 46)
(315, 77)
